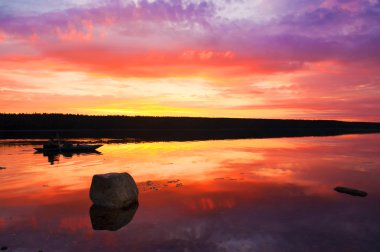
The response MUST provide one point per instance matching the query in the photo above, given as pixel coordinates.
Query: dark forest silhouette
(170, 128)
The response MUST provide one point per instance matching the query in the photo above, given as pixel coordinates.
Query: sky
(306, 59)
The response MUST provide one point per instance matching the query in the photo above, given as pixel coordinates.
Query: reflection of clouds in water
(279, 200)
(265, 217)
(282, 218)
(257, 243)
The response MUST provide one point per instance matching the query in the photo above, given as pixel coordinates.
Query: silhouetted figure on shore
(51, 144)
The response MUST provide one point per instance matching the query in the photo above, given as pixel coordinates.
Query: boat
(56, 146)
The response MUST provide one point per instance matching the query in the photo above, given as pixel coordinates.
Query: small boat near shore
(56, 146)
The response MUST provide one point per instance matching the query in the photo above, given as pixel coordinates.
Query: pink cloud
(329, 48)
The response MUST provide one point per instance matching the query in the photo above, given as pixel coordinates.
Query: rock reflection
(111, 219)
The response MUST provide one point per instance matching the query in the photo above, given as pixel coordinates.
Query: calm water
(235, 195)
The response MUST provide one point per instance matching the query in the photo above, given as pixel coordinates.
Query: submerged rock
(173, 181)
(149, 183)
(113, 190)
(111, 219)
(350, 191)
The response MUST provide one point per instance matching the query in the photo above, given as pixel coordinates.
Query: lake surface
(233, 195)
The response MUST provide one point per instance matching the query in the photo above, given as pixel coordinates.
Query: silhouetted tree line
(164, 127)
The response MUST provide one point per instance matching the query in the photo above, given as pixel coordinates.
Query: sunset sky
(310, 59)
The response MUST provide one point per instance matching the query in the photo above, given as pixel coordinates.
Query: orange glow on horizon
(190, 59)
(186, 83)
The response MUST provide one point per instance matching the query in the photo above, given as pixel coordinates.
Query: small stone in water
(350, 191)
(173, 181)
(149, 183)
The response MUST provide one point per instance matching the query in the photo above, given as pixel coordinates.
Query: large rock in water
(113, 190)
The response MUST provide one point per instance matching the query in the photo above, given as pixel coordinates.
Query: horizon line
(195, 117)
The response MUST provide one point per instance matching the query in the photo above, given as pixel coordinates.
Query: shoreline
(149, 135)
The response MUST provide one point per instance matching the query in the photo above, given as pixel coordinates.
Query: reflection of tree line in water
(169, 128)
(54, 156)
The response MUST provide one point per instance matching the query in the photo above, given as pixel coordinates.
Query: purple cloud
(114, 13)
(324, 30)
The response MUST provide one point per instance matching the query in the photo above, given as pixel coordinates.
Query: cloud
(324, 48)
(283, 43)
(160, 12)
